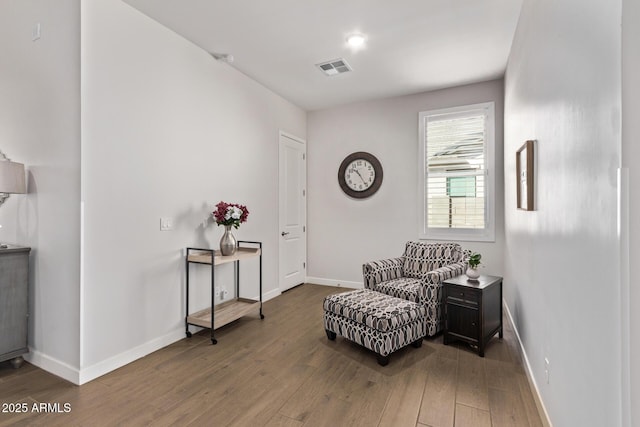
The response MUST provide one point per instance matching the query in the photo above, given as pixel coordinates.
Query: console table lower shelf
(226, 313)
(218, 315)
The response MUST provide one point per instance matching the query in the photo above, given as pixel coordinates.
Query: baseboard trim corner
(533, 385)
(111, 364)
(53, 366)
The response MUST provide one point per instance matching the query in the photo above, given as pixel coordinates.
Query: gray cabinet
(14, 303)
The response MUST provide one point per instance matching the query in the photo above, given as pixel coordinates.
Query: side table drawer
(458, 294)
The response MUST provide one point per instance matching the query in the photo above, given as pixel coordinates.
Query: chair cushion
(374, 309)
(420, 258)
(405, 288)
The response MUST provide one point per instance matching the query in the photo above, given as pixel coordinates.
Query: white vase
(472, 273)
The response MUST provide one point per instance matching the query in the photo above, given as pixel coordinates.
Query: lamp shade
(12, 178)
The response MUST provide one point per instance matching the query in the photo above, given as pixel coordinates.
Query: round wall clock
(360, 175)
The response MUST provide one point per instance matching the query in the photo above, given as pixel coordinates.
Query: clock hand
(358, 172)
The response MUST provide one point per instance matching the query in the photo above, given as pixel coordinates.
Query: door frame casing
(303, 142)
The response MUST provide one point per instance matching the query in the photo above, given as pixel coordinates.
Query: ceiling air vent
(336, 66)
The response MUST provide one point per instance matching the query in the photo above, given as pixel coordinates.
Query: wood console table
(216, 316)
(473, 310)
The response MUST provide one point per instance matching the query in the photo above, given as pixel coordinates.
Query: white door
(292, 211)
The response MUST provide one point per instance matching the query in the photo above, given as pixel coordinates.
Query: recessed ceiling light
(355, 40)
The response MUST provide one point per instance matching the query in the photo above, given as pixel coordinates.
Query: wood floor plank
(283, 371)
(528, 401)
(507, 409)
(267, 407)
(512, 344)
(32, 382)
(268, 394)
(448, 351)
(303, 403)
(467, 416)
(501, 375)
(330, 412)
(439, 397)
(472, 382)
(367, 391)
(281, 421)
(498, 349)
(241, 406)
(405, 399)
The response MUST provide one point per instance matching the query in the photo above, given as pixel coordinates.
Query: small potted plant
(472, 269)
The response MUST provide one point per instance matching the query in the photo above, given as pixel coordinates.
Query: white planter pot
(472, 273)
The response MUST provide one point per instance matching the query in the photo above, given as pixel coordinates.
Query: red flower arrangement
(230, 214)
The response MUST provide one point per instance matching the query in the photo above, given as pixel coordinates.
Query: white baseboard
(544, 415)
(270, 295)
(126, 357)
(82, 376)
(53, 366)
(333, 282)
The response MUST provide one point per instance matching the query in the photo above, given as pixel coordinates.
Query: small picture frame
(524, 175)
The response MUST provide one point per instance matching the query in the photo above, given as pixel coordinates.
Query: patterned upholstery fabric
(417, 276)
(380, 271)
(376, 321)
(376, 310)
(421, 258)
(404, 287)
(383, 343)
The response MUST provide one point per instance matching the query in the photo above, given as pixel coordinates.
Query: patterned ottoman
(379, 322)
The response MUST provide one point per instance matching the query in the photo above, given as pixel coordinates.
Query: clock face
(360, 175)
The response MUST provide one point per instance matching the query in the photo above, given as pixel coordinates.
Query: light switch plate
(35, 32)
(166, 224)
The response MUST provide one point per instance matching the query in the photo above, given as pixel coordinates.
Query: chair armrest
(437, 276)
(375, 272)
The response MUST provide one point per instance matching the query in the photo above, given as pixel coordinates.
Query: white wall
(40, 127)
(166, 131)
(344, 233)
(630, 156)
(562, 285)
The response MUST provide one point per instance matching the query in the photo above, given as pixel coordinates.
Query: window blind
(455, 170)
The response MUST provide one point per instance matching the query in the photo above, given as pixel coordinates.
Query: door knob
(284, 233)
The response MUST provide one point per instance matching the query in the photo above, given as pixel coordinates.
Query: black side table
(473, 310)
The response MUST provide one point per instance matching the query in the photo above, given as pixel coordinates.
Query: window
(456, 173)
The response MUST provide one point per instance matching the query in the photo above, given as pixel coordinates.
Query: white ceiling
(412, 45)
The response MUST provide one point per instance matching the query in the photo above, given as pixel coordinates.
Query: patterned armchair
(418, 275)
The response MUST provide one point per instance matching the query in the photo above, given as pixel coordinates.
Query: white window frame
(486, 234)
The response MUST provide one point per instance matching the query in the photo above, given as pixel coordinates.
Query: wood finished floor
(283, 371)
